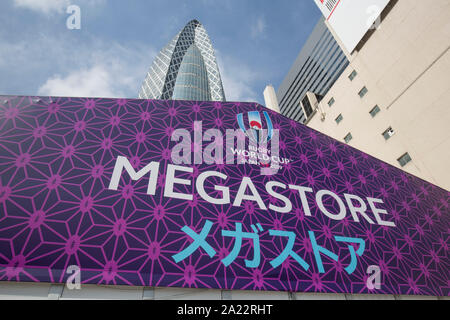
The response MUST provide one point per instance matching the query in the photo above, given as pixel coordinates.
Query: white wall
(405, 66)
(32, 291)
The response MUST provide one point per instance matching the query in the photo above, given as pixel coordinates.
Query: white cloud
(54, 6)
(117, 71)
(111, 70)
(100, 68)
(109, 76)
(238, 79)
(258, 28)
(91, 67)
(93, 82)
(44, 6)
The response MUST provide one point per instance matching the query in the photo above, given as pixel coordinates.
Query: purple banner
(143, 193)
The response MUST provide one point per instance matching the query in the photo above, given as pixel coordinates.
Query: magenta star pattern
(56, 160)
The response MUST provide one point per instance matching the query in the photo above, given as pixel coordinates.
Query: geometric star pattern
(57, 156)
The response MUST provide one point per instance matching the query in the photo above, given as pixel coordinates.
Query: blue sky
(256, 42)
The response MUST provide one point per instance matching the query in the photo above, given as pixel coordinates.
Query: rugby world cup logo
(256, 131)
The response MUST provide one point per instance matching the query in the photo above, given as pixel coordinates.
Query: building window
(307, 108)
(348, 138)
(375, 111)
(363, 92)
(331, 102)
(388, 133)
(339, 119)
(404, 159)
(353, 75)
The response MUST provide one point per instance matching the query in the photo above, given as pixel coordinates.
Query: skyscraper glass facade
(186, 69)
(318, 66)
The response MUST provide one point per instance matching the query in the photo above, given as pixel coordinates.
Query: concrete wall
(38, 291)
(405, 66)
(270, 99)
